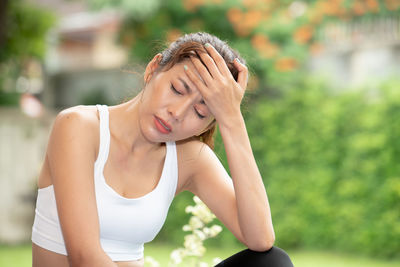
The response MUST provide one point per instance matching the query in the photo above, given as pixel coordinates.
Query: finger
(202, 70)
(219, 60)
(209, 62)
(195, 80)
(243, 75)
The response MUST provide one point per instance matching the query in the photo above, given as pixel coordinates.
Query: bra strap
(104, 134)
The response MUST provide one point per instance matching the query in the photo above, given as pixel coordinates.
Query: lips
(162, 125)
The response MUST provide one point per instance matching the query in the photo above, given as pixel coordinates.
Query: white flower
(216, 261)
(186, 228)
(151, 261)
(189, 209)
(197, 200)
(215, 230)
(177, 255)
(194, 245)
(207, 231)
(200, 234)
(203, 213)
(200, 210)
(193, 242)
(195, 222)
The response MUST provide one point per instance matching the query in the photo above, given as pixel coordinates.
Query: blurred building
(360, 52)
(85, 64)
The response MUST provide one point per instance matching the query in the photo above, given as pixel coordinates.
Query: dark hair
(193, 44)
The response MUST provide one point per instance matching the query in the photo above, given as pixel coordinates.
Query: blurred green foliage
(23, 38)
(330, 164)
(25, 29)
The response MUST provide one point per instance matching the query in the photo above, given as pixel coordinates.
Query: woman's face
(171, 107)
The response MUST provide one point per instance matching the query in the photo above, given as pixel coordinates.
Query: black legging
(275, 257)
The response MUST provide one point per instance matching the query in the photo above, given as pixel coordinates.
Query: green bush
(330, 165)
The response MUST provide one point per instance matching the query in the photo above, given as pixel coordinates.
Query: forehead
(177, 72)
(178, 67)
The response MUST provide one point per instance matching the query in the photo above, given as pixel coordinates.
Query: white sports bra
(125, 223)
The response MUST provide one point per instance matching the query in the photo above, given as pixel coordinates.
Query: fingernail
(207, 45)
(185, 67)
(237, 60)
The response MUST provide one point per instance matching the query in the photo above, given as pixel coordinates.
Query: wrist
(232, 123)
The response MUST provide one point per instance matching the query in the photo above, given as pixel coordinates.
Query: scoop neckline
(112, 190)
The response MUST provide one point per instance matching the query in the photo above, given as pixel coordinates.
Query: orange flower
(392, 4)
(252, 19)
(259, 41)
(234, 15)
(173, 34)
(192, 5)
(244, 22)
(286, 64)
(359, 8)
(303, 34)
(372, 5)
(241, 30)
(266, 49)
(331, 7)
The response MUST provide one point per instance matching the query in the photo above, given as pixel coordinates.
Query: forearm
(251, 198)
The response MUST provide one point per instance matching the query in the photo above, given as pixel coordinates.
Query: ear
(151, 67)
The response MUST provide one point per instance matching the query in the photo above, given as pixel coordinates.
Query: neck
(124, 127)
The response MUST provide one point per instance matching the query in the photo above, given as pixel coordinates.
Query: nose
(179, 109)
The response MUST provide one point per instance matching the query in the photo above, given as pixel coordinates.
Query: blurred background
(322, 110)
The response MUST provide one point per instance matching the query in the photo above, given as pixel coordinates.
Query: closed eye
(199, 115)
(175, 91)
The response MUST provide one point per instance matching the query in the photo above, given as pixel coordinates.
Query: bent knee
(276, 257)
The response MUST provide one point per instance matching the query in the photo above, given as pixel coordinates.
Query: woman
(144, 152)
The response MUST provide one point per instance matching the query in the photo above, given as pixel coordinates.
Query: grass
(20, 256)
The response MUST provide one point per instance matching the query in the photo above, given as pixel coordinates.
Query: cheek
(153, 96)
(196, 126)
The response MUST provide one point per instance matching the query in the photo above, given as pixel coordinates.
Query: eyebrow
(188, 90)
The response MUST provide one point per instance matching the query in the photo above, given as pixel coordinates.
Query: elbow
(78, 260)
(75, 261)
(263, 244)
(84, 258)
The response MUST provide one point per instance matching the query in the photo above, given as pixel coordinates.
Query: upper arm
(71, 159)
(212, 184)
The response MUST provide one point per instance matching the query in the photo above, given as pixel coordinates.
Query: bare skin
(239, 202)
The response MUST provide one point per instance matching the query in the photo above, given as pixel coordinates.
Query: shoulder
(194, 156)
(200, 168)
(79, 114)
(76, 124)
(192, 150)
(80, 118)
